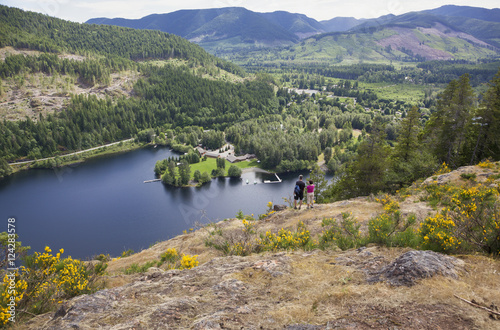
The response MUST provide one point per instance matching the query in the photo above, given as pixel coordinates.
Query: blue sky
(82, 10)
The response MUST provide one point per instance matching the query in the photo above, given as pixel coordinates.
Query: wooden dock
(269, 181)
(155, 180)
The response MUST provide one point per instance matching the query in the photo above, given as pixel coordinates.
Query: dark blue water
(103, 206)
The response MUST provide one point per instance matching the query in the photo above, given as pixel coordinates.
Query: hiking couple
(298, 193)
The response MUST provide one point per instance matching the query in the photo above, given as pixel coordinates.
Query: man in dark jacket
(298, 192)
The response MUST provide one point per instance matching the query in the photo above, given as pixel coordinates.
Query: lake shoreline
(79, 157)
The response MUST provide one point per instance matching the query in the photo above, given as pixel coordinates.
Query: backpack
(296, 191)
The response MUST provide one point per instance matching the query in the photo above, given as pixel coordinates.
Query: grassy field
(210, 164)
(402, 92)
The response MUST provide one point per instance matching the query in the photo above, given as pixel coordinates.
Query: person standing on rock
(298, 192)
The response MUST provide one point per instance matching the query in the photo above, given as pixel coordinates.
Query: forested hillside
(35, 31)
(168, 94)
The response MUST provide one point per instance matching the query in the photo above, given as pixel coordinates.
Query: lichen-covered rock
(411, 266)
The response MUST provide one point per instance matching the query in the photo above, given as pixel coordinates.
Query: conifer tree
(487, 143)
(410, 159)
(447, 128)
(367, 172)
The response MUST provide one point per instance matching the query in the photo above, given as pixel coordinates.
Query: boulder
(279, 207)
(411, 266)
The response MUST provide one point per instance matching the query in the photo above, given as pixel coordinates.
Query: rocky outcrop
(244, 292)
(412, 266)
(204, 297)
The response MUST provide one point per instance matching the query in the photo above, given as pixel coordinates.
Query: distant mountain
(211, 25)
(298, 24)
(447, 32)
(341, 24)
(469, 25)
(483, 14)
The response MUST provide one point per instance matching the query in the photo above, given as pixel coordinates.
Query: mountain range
(446, 32)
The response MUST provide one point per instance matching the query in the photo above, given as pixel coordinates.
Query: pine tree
(410, 159)
(367, 173)
(487, 143)
(448, 127)
(184, 172)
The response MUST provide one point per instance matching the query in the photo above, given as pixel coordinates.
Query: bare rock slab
(411, 266)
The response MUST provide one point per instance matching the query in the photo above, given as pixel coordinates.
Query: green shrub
(345, 235)
(135, 268)
(468, 176)
(390, 229)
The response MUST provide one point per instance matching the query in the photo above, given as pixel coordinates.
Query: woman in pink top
(310, 194)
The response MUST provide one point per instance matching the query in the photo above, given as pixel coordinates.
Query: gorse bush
(470, 222)
(389, 228)
(45, 280)
(476, 215)
(438, 194)
(171, 256)
(443, 169)
(286, 239)
(13, 289)
(437, 233)
(174, 260)
(188, 262)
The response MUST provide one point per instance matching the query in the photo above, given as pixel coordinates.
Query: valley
(395, 119)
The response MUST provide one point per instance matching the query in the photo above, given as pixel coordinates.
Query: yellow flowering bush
(12, 291)
(439, 194)
(175, 260)
(44, 280)
(286, 239)
(188, 262)
(476, 215)
(443, 169)
(390, 205)
(437, 233)
(171, 258)
(485, 164)
(248, 226)
(73, 278)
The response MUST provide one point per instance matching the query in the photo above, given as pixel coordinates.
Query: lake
(104, 206)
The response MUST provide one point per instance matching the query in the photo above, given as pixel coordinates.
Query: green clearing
(402, 92)
(210, 164)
